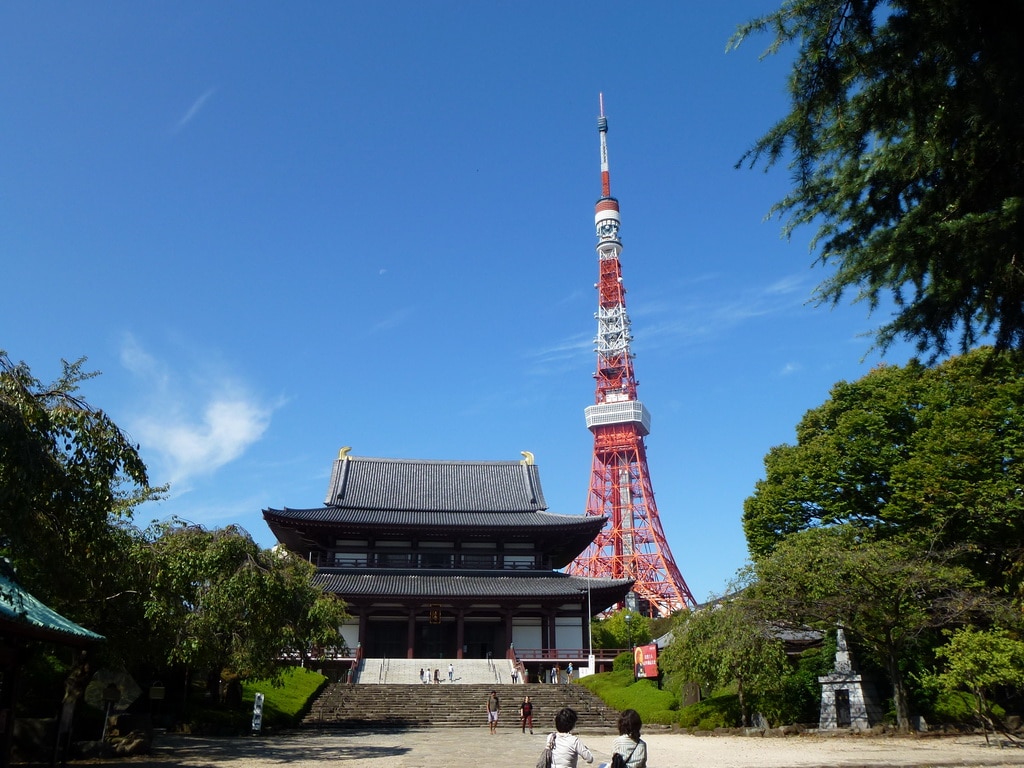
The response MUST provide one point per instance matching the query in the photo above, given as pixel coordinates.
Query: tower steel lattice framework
(632, 544)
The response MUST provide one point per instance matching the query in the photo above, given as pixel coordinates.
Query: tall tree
(68, 474)
(937, 453)
(906, 148)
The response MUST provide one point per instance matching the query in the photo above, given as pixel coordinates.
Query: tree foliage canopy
(725, 642)
(907, 153)
(936, 451)
(622, 629)
(217, 600)
(70, 480)
(980, 662)
(68, 474)
(889, 594)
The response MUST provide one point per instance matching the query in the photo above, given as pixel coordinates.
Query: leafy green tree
(933, 453)
(728, 642)
(217, 600)
(69, 476)
(980, 661)
(622, 629)
(906, 149)
(889, 595)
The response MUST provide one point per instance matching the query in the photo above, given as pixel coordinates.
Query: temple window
(522, 562)
(349, 560)
(394, 559)
(482, 561)
(435, 560)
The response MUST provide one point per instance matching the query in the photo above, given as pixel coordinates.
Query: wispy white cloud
(395, 319)
(192, 426)
(693, 315)
(194, 109)
(788, 284)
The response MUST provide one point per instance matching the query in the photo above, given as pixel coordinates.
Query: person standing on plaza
(526, 715)
(493, 707)
(629, 744)
(569, 673)
(451, 673)
(437, 677)
(423, 675)
(567, 749)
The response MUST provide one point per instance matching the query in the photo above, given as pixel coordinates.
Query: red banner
(645, 660)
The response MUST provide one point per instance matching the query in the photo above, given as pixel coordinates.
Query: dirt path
(431, 748)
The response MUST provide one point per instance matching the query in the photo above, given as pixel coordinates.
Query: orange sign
(645, 660)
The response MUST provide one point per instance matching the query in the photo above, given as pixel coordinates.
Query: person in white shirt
(566, 749)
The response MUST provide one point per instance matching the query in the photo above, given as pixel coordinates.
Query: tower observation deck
(632, 543)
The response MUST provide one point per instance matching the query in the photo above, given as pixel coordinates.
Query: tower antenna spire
(632, 543)
(602, 127)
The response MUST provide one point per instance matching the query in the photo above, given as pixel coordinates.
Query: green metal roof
(23, 615)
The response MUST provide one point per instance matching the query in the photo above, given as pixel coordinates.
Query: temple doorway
(435, 641)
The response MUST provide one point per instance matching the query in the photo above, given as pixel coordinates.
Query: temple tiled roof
(435, 486)
(404, 584)
(424, 500)
(450, 520)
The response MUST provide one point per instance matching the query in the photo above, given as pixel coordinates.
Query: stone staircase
(454, 706)
(407, 671)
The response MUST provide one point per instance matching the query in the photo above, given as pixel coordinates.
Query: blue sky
(278, 229)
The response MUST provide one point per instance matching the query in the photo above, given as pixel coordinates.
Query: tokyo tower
(632, 544)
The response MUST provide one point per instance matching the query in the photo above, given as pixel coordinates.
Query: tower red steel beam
(632, 543)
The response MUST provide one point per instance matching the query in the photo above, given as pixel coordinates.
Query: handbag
(544, 761)
(618, 761)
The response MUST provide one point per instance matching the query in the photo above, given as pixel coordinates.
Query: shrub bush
(711, 713)
(623, 662)
(284, 703)
(618, 691)
(958, 707)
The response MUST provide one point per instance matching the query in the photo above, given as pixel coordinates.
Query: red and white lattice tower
(632, 544)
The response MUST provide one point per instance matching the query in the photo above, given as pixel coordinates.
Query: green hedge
(618, 690)
(711, 713)
(284, 704)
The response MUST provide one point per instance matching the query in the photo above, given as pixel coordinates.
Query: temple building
(449, 559)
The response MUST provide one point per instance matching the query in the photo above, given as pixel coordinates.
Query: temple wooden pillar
(507, 616)
(549, 629)
(410, 638)
(362, 630)
(460, 632)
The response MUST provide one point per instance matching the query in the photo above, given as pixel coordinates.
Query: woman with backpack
(629, 750)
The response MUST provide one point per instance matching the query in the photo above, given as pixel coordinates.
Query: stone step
(341, 705)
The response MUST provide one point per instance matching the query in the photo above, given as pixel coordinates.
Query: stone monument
(846, 701)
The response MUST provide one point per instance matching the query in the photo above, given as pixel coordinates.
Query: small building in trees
(449, 559)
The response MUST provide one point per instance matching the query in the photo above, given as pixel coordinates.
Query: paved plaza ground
(431, 748)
